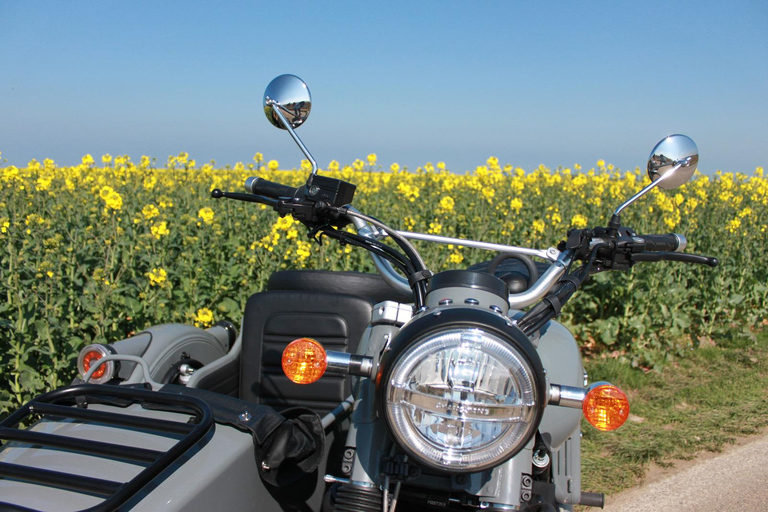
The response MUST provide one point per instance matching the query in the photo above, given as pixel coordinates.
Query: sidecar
(227, 429)
(207, 439)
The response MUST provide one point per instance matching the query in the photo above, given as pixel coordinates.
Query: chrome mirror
(673, 161)
(671, 164)
(287, 95)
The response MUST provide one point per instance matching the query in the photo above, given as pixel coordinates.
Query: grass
(699, 403)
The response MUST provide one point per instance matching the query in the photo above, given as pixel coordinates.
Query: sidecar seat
(275, 318)
(332, 307)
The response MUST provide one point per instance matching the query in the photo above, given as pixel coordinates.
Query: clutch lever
(675, 256)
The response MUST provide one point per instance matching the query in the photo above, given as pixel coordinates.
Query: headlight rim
(464, 318)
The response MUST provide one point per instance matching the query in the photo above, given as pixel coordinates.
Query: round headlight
(463, 398)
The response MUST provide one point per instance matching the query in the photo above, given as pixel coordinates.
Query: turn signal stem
(349, 364)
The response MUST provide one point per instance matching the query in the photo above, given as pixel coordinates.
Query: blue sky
(553, 82)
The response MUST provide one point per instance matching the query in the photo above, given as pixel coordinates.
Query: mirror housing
(291, 96)
(673, 161)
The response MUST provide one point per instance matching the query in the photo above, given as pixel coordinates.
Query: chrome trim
(338, 362)
(542, 286)
(566, 396)
(550, 254)
(682, 242)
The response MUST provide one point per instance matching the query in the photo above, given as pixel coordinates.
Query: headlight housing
(462, 391)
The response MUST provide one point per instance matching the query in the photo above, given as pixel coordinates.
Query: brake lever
(675, 256)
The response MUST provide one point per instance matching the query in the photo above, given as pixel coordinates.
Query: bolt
(461, 479)
(313, 190)
(349, 453)
(245, 416)
(471, 302)
(265, 466)
(346, 468)
(525, 496)
(527, 481)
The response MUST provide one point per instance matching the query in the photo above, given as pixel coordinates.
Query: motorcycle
(346, 391)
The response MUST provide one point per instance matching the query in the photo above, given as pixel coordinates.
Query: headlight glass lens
(462, 399)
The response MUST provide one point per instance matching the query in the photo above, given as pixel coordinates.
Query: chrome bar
(516, 301)
(652, 185)
(550, 254)
(547, 280)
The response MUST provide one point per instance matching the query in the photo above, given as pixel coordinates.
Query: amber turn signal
(606, 407)
(304, 361)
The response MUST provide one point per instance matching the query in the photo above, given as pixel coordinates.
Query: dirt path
(736, 479)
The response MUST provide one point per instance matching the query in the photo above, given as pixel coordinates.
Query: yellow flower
(447, 203)
(372, 159)
(87, 160)
(106, 159)
(441, 166)
(273, 165)
(538, 226)
(333, 166)
(157, 276)
(150, 211)
(206, 215)
(579, 221)
(394, 167)
(204, 318)
(516, 204)
(112, 199)
(435, 228)
(258, 158)
(601, 163)
(734, 225)
(455, 257)
(160, 229)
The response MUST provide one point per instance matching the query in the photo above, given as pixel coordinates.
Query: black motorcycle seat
(370, 286)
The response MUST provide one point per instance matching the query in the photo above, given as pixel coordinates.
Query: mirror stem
(647, 189)
(296, 139)
(615, 222)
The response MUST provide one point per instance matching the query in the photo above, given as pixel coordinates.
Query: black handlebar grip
(661, 243)
(262, 187)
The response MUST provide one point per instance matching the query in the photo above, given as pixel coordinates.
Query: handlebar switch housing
(312, 204)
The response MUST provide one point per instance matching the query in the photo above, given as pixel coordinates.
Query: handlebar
(262, 187)
(664, 243)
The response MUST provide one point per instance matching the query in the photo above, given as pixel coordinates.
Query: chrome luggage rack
(71, 404)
